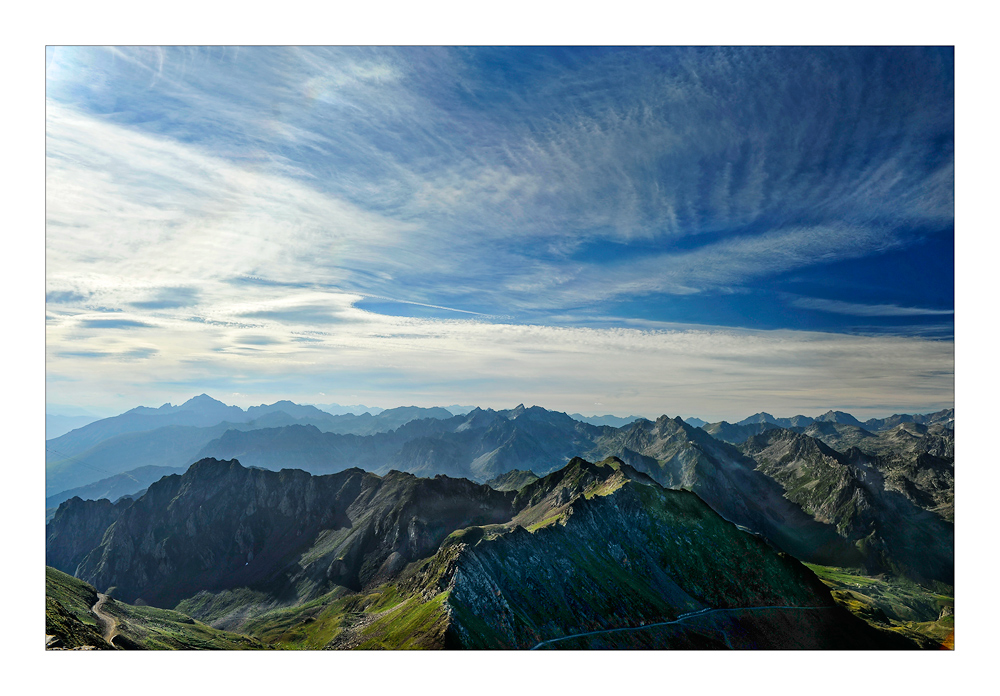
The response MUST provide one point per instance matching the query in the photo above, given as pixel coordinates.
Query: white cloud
(711, 372)
(128, 211)
(865, 310)
(722, 264)
(379, 173)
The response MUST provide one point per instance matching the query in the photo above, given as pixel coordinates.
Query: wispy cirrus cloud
(862, 310)
(201, 194)
(718, 265)
(714, 372)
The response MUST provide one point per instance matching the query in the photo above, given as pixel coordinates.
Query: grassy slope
(68, 616)
(623, 588)
(151, 628)
(67, 611)
(409, 613)
(921, 614)
(414, 611)
(388, 617)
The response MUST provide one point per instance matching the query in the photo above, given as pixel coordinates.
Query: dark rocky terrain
(221, 526)
(387, 540)
(473, 566)
(78, 527)
(678, 455)
(849, 491)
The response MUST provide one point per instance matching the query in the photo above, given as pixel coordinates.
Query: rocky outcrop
(77, 527)
(678, 455)
(850, 491)
(635, 556)
(222, 526)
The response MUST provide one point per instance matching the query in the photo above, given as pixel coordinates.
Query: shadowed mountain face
(221, 526)
(623, 551)
(672, 452)
(850, 491)
(78, 527)
(587, 548)
(910, 463)
(677, 455)
(479, 445)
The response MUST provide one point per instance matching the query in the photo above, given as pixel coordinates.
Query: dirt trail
(108, 623)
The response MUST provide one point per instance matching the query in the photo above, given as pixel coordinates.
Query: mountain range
(349, 512)
(173, 435)
(353, 559)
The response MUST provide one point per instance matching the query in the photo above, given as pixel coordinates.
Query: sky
(704, 232)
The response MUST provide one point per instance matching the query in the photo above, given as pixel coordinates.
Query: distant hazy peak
(762, 417)
(839, 417)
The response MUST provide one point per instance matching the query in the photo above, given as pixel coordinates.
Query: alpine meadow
(482, 348)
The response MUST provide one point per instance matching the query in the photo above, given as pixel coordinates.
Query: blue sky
(698, 231)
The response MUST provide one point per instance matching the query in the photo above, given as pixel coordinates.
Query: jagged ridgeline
(590, 555)
(881, 501)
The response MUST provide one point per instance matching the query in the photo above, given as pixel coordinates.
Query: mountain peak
(201, 400)
(762, 417)
(840, 417)
(212, 465)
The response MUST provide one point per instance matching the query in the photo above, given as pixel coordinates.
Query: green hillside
(69, 617)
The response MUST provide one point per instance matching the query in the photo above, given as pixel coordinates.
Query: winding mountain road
(679, 619)
(108, 623)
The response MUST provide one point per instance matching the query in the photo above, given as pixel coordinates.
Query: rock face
(588, 547)
(77, 527)
(912, 460)
(626, 553)
(905, 439)
(677, 455)
(222, 526)
(850, 491)
(917, 460)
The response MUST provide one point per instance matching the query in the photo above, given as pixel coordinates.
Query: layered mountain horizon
(358, 560)
(77, 458)
(872, 503)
